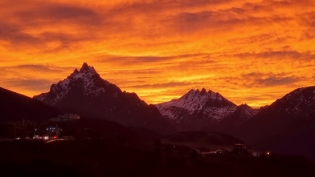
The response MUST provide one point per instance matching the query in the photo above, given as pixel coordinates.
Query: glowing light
(268, 153)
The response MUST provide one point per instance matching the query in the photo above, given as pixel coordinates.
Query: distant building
(240, 149)
(53, 132)
(256, 154)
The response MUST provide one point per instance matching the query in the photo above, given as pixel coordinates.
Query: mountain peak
(87, 79)
(244, 106)
(86, 68)
(203, 91)
(197, 103)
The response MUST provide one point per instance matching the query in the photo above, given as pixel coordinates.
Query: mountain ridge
(16, 107)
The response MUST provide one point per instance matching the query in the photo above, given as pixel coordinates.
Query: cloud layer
(251, 51)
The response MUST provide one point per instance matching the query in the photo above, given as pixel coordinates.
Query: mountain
(16, 107)
(84, 92)
(197, 110)
(286, 126)
(231, 122)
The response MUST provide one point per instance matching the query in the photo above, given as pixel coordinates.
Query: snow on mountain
(247, 111)
(86, 76)
(195, 103)
(299, 100)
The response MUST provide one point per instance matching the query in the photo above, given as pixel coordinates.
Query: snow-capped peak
(208, 102)
(247, 110)
(87, 78)
(197, 100)
(87, 69)
(86, 74)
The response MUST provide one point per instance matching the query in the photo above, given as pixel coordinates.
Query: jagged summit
(86, 68)
(197, 100)
(87, 79)
(197, 105)
(86, 72)
(244, 106)
(202, 91)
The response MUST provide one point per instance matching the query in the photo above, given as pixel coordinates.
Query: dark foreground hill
(120, 159)
(96, 129)
(202, 139)
(16, 107)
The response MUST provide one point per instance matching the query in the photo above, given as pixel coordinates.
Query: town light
(268, 153)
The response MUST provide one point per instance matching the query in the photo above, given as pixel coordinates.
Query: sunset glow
(250, 51)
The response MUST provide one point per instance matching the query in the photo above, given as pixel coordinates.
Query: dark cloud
(257, 79)
(28, 84)
(277, 81)
(17, 39)
(165, 85)
(37, 68)
(222, 19)
(136, 72)
(127, 60)
(308, 20)
(59, 13)
(278, 54)
(13, 34)
(158, 6)
(51, 16)
(265, 38)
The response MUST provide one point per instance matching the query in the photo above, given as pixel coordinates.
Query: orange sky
(250, 51)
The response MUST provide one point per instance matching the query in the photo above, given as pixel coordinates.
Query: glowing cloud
(251, 51)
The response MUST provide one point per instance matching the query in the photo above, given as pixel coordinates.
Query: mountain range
(286, 126)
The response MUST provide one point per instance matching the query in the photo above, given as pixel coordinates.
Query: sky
(250, 51)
